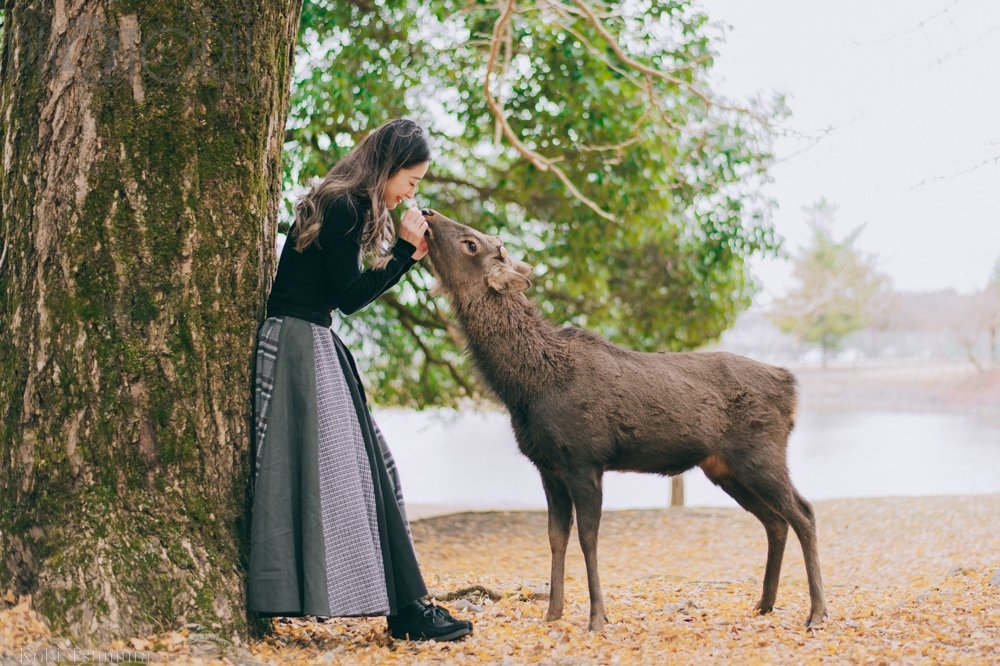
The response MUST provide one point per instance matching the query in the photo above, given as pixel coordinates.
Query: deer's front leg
(587, 493)
(560, 522)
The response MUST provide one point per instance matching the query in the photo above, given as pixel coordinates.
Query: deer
(580, 405)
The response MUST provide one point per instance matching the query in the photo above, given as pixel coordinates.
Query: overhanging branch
(500, 33)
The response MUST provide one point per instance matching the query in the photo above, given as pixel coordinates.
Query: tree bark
(140, 189)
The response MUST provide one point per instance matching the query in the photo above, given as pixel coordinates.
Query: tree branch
(405, 312)
(538, 161)
(595, 21)
(409, 322)
(484, 192)
(635, 64)
(430, 358)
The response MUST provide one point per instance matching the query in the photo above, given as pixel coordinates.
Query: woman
(329, 535)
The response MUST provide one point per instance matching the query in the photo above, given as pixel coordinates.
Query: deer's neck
(518, 352)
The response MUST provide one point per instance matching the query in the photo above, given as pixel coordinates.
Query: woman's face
(403, 184)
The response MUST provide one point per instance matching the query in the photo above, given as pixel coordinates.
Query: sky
(895, 120)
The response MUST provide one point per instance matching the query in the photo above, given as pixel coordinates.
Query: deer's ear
(503, 280)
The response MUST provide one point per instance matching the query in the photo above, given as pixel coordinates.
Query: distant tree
(977, 326)
(837, 283)
(991, 304)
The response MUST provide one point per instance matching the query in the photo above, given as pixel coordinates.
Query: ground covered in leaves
(909, 580)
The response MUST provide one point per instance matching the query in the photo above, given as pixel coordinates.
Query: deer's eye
(470, 245)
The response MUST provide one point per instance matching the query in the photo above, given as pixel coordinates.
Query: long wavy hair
(363, 172)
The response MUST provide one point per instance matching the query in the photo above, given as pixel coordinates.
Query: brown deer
(580, 405)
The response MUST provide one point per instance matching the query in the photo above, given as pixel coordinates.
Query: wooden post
(677, 490)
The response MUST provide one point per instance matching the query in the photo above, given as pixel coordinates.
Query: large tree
(140, 188)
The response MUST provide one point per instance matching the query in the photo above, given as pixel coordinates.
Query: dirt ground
(908, 580)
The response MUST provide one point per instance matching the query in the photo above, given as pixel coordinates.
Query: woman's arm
(353, 287)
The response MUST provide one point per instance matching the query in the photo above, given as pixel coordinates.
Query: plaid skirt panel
(267, 352)
(354, 568)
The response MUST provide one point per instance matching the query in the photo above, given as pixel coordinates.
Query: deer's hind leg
(775, 526)
(769, 481)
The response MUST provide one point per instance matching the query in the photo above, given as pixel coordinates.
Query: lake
(469, 460)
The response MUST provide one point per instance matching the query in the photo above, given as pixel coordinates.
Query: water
(470, 460)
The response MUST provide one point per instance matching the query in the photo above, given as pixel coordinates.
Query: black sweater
(312, 283)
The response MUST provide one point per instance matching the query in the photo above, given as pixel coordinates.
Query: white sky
(911, 92)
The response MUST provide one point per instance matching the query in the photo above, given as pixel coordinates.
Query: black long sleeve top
(312, 283)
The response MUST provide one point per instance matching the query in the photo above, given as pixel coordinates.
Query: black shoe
(444, 611)
(426, 622)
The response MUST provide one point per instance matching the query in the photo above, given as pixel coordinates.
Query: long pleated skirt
(329, 535)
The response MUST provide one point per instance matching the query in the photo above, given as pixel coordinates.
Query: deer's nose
(431, 217)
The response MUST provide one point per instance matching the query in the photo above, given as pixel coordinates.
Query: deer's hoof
(762, 608)
(815, 619)
(597, 623)
(553, 615)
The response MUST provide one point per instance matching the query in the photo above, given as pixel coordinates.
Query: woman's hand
(413, 227)
(421, 249)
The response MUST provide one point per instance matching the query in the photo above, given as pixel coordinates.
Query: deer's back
(618, 405)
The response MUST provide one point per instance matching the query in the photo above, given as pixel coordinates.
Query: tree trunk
(140, 188)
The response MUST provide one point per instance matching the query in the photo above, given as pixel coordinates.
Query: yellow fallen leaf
(140, 643)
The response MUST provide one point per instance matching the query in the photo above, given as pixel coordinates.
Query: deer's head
(467, 262)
